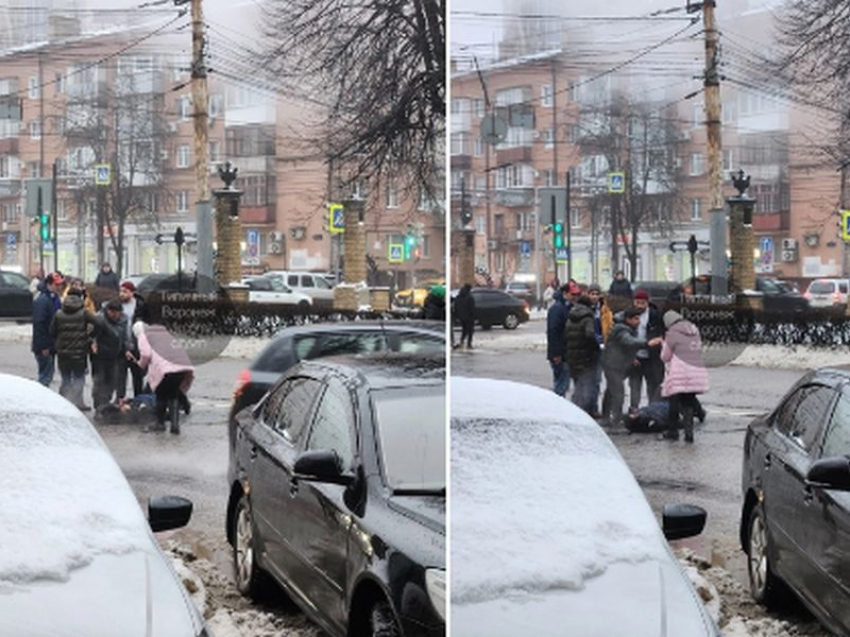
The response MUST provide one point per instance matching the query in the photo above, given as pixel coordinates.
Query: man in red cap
(648, 364)
(43, 310)
(134, 309)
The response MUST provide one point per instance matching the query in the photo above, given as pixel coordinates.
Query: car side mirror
(830, 473)
(321, 466)
(682, 520)
(168, 512)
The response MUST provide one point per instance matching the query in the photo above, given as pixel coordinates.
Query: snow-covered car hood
(649, 599)
(132, 595)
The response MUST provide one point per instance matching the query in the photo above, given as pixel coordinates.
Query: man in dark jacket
(556, 343)
(135, 309)
(617, 359)
(72, 328)
(647, 364)
(582, 353)
(434, 307)
(109, 354)
(107, 278)
(464, 310)
(43, 309)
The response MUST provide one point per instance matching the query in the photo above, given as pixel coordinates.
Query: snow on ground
(733, 608)
(228, 613)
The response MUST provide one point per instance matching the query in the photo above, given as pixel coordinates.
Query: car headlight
(435, 582)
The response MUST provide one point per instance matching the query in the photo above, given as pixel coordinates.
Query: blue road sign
(336, 218)
(11, 239)
(845, 225)
(102, 174)
(562, 255)
(766, 245)
(525, 248)
(253, 243)
(616, 182)
(395, 253)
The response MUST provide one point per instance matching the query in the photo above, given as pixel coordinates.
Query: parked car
(523, 291)
(662, 293)
(265, 289)
(313, 284)
(551, 533)
(337, 491)
(15, 296)
(827, 293)
(163, 282)
(795, 519)
(76, 533)
(496, 307)
(294, 344)
(777, 297)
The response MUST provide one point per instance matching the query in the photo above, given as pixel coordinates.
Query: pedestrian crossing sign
(616, 183)
(845, 225)
(395, 253)
(336, 218)
(102, 174)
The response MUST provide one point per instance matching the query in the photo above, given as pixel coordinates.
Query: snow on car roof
(64, 499)
(541, 499)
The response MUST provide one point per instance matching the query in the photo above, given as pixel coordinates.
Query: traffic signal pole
(569, 223)
(55, 218)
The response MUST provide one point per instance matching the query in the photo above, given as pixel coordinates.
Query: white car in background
(827, 293)
(77, 556)
(268, 289)
(313, 284)
(550, 533)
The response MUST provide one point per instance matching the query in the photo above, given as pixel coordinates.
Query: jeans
(653, 371)
(615, 395)
(560, 377)
(597, 385)
(46, 368)
(73, 381)
(584, 388)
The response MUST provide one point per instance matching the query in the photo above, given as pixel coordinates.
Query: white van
(313, 284)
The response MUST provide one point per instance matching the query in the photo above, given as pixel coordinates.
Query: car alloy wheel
(511, 322)
(382, 622)
(763, 583)
(249, 578)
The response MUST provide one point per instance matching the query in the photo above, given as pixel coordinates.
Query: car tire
(765, 587)
(303, 305)
(251, 581)
(511, 321)
(382, 622)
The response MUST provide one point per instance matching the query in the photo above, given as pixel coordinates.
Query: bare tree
(377, 70)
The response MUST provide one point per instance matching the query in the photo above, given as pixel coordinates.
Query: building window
(573, 134)
(460, 144)
(35, 169)
(697, 165)
(547, 97)
(184, 107)
(425, 246)
(480, 224)
(183, 156)
(214, 108)
(699, 117)
(696, 209)
(183, 201)
(35, 129)
(500, 261)
(575, 217)
(479, 147)
(549, 137)
(60, 83)
(153, 201)
(62, 209)
(33, 89)
(727, 159)
(549, 178)
(215, 152)
(392, 194)
(479, 106)
(5, 166)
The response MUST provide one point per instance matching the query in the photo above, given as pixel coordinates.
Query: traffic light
(409, 244)
(558, 234)
(44, 226)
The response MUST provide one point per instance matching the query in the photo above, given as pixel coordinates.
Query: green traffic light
(559, 242)
(559, 227)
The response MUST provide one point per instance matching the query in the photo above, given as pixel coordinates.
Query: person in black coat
(107, 278)
(647, 365)
(72, 328)
(43, 309)
(464, 309)
(620, 294)
(109, 355)
(582, 353)
(556, 343)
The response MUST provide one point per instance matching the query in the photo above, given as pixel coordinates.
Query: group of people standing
(71, 332)
(624, 338)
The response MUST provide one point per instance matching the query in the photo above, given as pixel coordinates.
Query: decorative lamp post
(228, 229)
(742, 238)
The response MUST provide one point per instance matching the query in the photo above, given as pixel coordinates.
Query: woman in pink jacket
(169, 370)
(685, 374)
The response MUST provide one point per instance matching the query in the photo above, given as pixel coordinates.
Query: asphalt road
(707, 473)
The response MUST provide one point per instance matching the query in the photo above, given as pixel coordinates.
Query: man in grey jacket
(617, 360)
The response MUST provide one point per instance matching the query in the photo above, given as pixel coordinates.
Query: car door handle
(767, 460)
(293, 488)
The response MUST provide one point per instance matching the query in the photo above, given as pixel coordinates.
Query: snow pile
(532, 468)
(11, 333)
(803, 357)
(65, 501)
(244, 347)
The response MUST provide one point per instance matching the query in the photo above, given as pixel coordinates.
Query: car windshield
(411, 427)
(822, 287)
(322, 283)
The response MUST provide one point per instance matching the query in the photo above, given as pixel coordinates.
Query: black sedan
(497, 307)
(795, 522)
(337, 491)
(15, 296)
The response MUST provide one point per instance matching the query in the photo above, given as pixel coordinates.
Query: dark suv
(795, 522)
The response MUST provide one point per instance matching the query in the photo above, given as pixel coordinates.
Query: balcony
(772, 222)
(9, 146)
(514, 197)
(258, 214)
(516, 155)
(95, 92)
(257, 165)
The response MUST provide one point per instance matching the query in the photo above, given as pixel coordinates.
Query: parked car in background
(524, 561)
(265, 289)
(313, 284)
(415, 297)
(795, 519)
(662, 293)
(778, 298)
(76, 533)
(15, 296)
(163, 282)
(294, 344)
(337, 491)
(827, 293)
(497, 307)
(523, 291)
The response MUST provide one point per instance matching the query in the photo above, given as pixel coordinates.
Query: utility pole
(488, 113)
(719, 276)
(203, 207)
